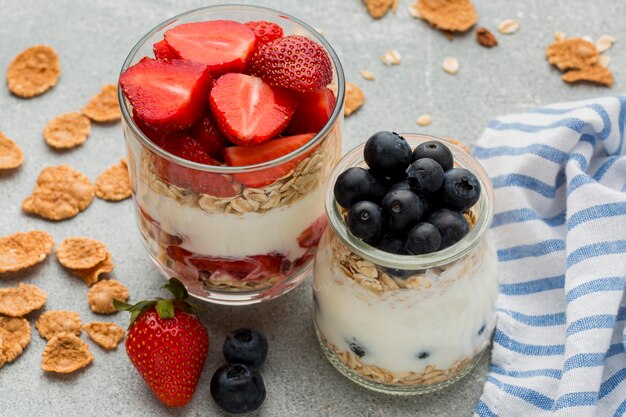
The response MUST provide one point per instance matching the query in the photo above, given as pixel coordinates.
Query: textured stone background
(93, 38)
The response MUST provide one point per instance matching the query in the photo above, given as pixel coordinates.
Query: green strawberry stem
(164, 307)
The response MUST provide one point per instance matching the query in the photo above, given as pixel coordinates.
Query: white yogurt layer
(236, 236)
(441, 323)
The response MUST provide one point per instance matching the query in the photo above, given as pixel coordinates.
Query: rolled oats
(368, 75)
(451, 65)
(604, 43)
(424, 120)
(391, 57)
(508, 26)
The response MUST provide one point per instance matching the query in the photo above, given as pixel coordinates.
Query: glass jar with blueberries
(406, 279)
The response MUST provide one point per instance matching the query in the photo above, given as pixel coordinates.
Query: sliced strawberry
(268, 151)
(199, 181)
(265, 31)
(313, 111)
(223, 45)
(311, 236)
(208, 134)
(158, 136)
(293, 62)
(248, 110)
(167, 95)
(163, 51)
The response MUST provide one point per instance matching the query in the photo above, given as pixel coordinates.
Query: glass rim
(323, 133)
(485, 208)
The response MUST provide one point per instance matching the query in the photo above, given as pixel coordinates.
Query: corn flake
(21, 300)
(572, 53)
(101, 295)
(355, 97)
(104, 106)
(597, 74)
(448, 15)
(67, 130)
(54, 322)
(91, 275)
(81, 252)
(33, 71)
(106, 334)
(65, 353)
(24, 249)
(11, 156)
(114, 183)
(14, 337)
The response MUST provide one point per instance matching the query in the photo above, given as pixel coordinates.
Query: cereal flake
(355, 97)
(101, 295)
(508, 26)
(21, 300)
(65, 353)
(81, 252)
(54, 322)
(596, 74)
(91, 275)
(67, 130)
(113, 184)
(61, 192)
(448, 15)
(14, 337)
(24, 249)
(33, 71)
(379, 8)
(104, 106)
(368, 75)
(106, 334)
(11, 156)
(572, 53)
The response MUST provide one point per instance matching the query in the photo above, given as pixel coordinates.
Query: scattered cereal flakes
(486, 38)
(379, 8)
(54, 322)
(605, 60)
(450, 15)
(65, 353)
(23, 249)
(355, 97)
(67, 130)
(91, 275)
(104, 106)
(11, 156)
(451, 65)
(14, 337)
(604, 43)
(597, 74)
(113, 184)
(391, 57)
(81, 252)
(368, 75)
(61, 192)
(508, 26)
(21, 300)
(559, 36)
(100, 296)
(106, 334)
(33, 71)
(572, 53)
(459, 144)
(424, 119)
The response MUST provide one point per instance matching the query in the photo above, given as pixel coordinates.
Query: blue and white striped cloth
(559, 175)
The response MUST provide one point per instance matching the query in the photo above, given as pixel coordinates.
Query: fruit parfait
(232, 118)
(406, 278)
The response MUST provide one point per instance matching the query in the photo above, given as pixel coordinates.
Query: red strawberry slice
(248, 110)
(313, 111)
(157, 136)
(293, 62)
(199, 181)
(265, 31)
(207, 133)
(223, 45)
(268, 151)
(311, 236)
(167, 95)
(163, 51)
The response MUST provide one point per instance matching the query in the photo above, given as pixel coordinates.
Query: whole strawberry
(293, 62)
(167, 345)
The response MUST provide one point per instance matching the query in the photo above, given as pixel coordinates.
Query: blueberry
(365, 220)
(434, 150)
(423, 238)
(430, 204)
(392, 243)
(423, 355)
(357, 184)
(358, 350)
(387, 154)
(245, 346)
(460, 190)
(402, 185)
(425, 176)
(451, 224)
(237, 388)
(402, 209)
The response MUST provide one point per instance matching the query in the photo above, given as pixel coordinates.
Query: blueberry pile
(238, 387)
(408, 202)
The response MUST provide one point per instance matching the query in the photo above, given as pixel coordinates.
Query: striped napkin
(559, 175)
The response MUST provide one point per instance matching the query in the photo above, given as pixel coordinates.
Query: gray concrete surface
(93, 38)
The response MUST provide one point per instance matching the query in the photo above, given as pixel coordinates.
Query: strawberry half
(311, 236)
(167, 95)
(223, 45)
(313, 111)
(208, 134)
(265, 31)
(248, 110)
(167, 345)
(202, 182)
(293, 62)
(268, 151)
(163, 51)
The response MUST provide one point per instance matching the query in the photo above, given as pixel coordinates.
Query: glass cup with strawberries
(232, 117)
